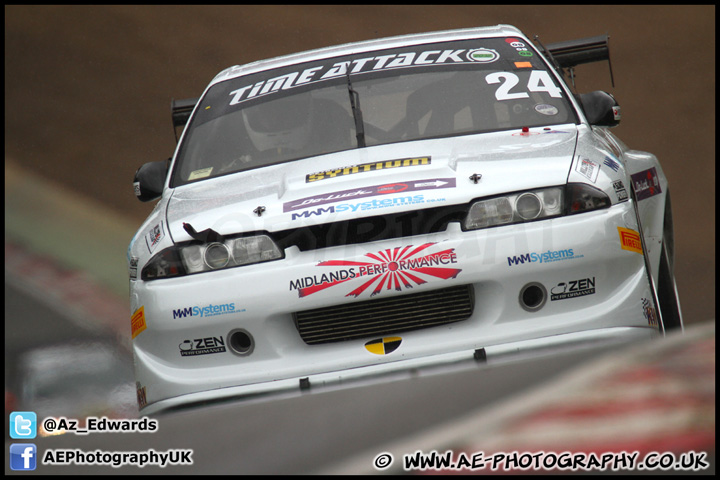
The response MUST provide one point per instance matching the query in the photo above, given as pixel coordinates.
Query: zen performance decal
(367, 167)
(391, 269)
(573, 289)
(202, 346)
(384, 189)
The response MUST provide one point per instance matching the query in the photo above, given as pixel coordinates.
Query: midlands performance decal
(397, 269)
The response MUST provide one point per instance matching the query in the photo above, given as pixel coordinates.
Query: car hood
(385, 179)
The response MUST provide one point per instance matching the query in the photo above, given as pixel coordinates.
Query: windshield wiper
(357, 114)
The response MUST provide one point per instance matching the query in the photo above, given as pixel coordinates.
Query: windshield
(412, 93)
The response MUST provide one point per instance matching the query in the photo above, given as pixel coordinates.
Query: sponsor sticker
(620, 191)
(141, 395)
(137, 322)
(155, 236)
(519, 47)
(369, 205)
(611, 163)
(202, 346)
(630, 240)
(646, 183)
(383, 346)
(374, 190)
(573, 289)
(374, 62)
(649, 313)
(132, 267)
(587, 168)
(544, 257)
(211, 310)
(483, 55)
(367, 167)
(398, 269)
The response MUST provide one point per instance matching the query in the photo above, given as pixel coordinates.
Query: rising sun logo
(396, 268)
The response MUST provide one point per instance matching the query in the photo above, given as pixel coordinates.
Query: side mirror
(600, 108)
(149, 180)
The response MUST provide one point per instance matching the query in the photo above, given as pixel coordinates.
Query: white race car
(388, 205)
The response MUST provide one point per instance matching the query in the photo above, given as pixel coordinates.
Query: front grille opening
(381, 317)
(371, 229)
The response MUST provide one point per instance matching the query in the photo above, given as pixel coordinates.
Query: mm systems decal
(384, 189)
(367, 167)
(543, 257)
(206, 311)
(398, 268)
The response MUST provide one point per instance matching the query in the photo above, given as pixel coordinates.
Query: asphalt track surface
(81, 81)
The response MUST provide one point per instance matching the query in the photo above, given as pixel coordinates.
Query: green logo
(483, 55)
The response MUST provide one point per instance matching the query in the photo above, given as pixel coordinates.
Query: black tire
(667, 295)
(666, 288)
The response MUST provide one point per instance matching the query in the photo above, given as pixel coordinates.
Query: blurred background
(87, 101)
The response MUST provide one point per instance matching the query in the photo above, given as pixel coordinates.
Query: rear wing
(571, 53)
(181, 110)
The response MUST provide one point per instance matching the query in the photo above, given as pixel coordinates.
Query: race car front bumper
(535, 286)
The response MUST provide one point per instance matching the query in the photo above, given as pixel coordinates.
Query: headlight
(584, 198)
(515, 208)
(193, 258)
(534, 205)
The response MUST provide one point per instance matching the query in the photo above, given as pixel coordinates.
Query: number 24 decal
(539, 81)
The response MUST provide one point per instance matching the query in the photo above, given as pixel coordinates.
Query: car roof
(366, 46)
